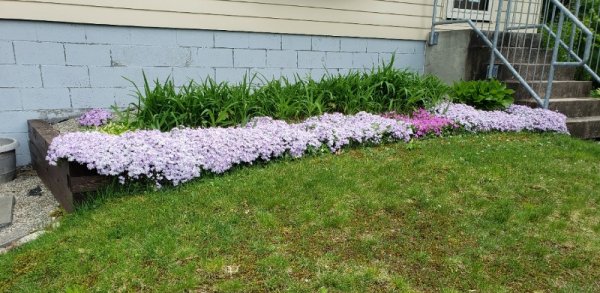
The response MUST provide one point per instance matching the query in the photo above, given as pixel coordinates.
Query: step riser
(514, 40)
(536, 72)
(525, 55)
(585, 130)
(574, 108)
(522, 41)
(560, 90)
(517, 55)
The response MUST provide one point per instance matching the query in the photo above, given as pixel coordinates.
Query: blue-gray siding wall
(52, 70)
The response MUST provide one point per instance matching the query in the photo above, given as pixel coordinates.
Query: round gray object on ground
(8, 159)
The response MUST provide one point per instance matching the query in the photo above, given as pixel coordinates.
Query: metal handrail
(580, 61)
(564, 13)
(590, 11)
(588, 45)
(589, 40)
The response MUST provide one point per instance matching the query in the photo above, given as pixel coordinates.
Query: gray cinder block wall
(52, 70)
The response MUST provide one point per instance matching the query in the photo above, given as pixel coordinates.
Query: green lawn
(492, 213)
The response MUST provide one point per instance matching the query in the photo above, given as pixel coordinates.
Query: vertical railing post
(432, 34)
(490, 72)
(573, 29)
(508, 11)
(561, 21)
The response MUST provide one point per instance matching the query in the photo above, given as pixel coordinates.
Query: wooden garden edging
(68, 180)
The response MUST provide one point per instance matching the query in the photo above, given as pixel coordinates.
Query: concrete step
(527, 55)
(536, 72)
(572, 107)
(584, 127)
(561, 89)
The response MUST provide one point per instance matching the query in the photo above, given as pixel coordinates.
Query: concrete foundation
(449, 58)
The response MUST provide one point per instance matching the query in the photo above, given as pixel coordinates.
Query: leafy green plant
(595, 93)
(115, 128)
(163, 105)
(482, 94)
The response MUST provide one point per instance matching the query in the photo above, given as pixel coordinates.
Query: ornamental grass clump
(164, 106)
(183, 153)
(515, 118)
(95, 117)
(425, 123)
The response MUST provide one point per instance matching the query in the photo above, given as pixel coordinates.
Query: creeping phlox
(425, 123)
(514, 118)
(182, 154)
(95, 117)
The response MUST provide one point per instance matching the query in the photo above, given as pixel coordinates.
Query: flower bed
(181, 154)
(515, 118)
(67, 180)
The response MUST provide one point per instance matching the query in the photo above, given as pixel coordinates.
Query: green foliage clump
(209, 103)
(595, 93)
(115, 128)
(482, 94)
